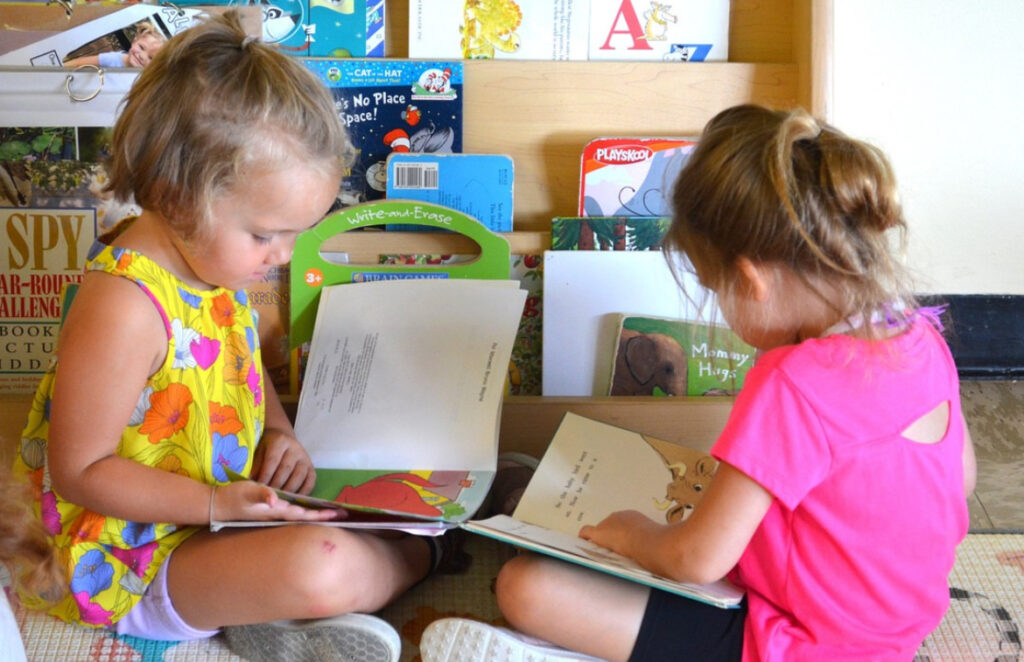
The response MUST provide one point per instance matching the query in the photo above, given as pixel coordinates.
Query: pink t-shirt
(852, 559)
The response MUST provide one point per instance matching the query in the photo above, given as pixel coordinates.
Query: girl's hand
(249, 501)
(619, 532)
(282, 462)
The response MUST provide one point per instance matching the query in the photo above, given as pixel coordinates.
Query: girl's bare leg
(257, 575)
(571, 606)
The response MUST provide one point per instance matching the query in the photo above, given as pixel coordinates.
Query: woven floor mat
(984, 622)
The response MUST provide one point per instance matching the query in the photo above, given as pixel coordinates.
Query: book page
(408, 374)
(577, 550)
(592, 469)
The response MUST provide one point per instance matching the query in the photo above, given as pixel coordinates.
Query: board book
(478, 185)
(592, 469)
(608, 233)
(631, 176)
(400, 406)
(664, 356)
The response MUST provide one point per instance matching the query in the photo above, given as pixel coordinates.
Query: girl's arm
(280, 460)
(85, 60)
(703, 548)
(112, 340)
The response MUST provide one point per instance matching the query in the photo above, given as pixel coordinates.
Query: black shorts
(677, 628)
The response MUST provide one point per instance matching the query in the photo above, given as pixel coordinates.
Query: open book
(401, 401)
(592, 469)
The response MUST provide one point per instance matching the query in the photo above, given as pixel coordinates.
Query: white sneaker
(344, 638)
(465, 640)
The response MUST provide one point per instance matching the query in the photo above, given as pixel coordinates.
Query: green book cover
(608, 233)
(662, 356)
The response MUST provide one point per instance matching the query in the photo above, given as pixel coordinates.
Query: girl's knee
(322, 570)
(520, 586)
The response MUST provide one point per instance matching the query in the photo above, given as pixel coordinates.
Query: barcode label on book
(415, 176)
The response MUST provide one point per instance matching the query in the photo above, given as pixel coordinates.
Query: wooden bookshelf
(542, 113)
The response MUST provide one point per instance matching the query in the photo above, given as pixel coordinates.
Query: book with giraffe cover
(592, 469)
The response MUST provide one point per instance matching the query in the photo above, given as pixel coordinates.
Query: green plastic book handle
(310, 272)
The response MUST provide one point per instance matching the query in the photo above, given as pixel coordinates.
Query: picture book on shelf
(662, 30)
(608, 233)
(631, 176)
(592, 469)
(52, 208)
(315, 28)
(478, 185)
(45, 250)
(392, 106)
(39, 37)
(400, 404)
(664, 356)
(668, 30)
(499, 29)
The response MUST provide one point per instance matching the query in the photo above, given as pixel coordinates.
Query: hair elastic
(248, 40)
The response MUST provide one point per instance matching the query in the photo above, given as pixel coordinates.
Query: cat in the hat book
(392, 106)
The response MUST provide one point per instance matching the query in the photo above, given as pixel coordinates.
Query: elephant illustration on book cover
(670, 357)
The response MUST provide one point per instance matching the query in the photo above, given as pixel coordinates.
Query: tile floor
(995, 415)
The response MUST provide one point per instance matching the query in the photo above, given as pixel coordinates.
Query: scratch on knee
(329, 547)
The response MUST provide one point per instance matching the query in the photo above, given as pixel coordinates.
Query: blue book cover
(478, 185)
(318, 28)
(392, 106)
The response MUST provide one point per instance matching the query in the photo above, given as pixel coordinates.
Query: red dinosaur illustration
(391, 492)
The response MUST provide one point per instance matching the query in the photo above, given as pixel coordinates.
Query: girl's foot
(464, 640)
(345, 638)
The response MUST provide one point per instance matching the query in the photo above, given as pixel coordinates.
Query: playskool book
(400, 406)
(392, 106)
(592, 469)
(631, 176)
(663, 356)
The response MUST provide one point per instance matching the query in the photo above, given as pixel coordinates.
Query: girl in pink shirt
(844, 469)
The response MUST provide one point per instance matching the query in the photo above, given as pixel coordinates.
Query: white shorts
(154, 617)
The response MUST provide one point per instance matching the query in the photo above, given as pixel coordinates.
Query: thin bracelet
(213, 493)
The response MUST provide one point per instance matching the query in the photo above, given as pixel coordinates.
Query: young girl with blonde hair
(845, 465)
(157, 389)
(148, 40)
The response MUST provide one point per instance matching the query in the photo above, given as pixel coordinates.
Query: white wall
(939, 85)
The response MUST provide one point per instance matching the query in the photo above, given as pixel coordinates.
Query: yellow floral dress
(200, 413)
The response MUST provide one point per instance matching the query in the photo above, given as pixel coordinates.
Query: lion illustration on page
(691, 472)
